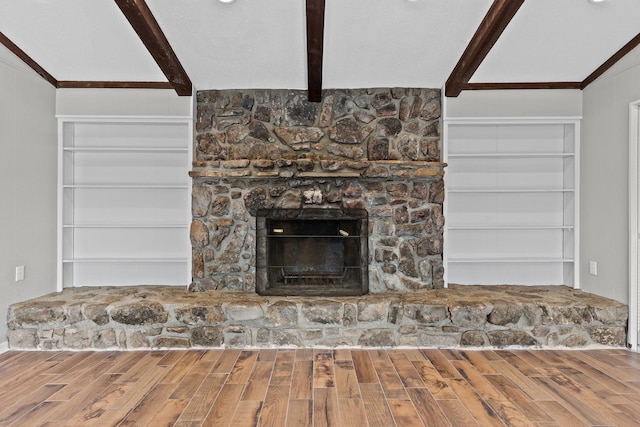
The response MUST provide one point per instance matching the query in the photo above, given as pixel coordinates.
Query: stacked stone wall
(377, 149)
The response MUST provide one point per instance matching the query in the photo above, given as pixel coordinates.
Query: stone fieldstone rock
(504, 314)
(409, 147)
(348, 131)
(436, 192)
(364, 117)
(468, 315)
(33, 312)
(97, 313)
(343, 105)
(243, 311)
(259, 131)
(105, 339)
(282, 313)
(300, 112)
(349, 318)
(297, 135)
(389, 126)
(76, 338)
(511, 338)
(236, 133)
(372, 312)
(377, 338)
(323, 312)
(438, 340)
(566, 315)
(198, 315)
(220, 206)
(139, 313)
(472, 339)
(425, 313)
(262, 113)
(200, 200)
(608, 335)
(207, 336)
(171, 342)
(431, 110)
(197, 267)
(285, 338)
(407, 264)
(378, 149)
(236, 337)
(575, 341)
(22, 339)
(199, 234)
(138, 340)
(256, 199)
(611, 314)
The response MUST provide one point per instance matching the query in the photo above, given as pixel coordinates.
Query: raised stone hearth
(171, 317)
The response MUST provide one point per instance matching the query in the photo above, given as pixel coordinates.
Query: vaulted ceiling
(320, 44)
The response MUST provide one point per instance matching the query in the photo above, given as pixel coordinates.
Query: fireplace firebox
(312, 252)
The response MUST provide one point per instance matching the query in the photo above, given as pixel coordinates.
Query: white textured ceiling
(368, 43)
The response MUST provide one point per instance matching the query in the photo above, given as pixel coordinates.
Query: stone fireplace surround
(373, 149)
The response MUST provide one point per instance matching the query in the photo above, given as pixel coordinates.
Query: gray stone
(105, 339)
(504, 314)
(285, 338)
(299, 135)
(575, 341)
(262, 113)
(608, 335)
(324, 312)
(349, 318)
(468, 315)
(199, 234)
(378, 149)
(611, 314)
(198, 315)
(207, 336)
(472, 339)
(342, 105)
(511, 338)
(220, 206)
(407, 264)
(281, 313)
(364, 117)
(171, 342)
(255, 199)
(33, 312)
(76, 338)
(22, 339)
(259, 131)
(438, 340)
(389, 126)
(348, 131)
(377, 338)
(431, 110)
(231, 254)
(300, 112)
(372, 311)
(139, 313)
(243, 311)
(97, 313)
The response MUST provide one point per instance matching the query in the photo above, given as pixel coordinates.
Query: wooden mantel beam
(315, 38)
(145, 25)
(495, 21)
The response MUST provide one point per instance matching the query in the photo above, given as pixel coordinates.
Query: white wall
(28, 140)
(604, 197)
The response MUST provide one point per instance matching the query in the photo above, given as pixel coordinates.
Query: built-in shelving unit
(511, 203)
(124, 200)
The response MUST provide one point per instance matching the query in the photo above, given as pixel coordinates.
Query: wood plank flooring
(305, 387)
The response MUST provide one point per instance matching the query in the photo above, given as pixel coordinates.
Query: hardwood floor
(307, 387)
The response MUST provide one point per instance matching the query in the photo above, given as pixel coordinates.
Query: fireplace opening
(312, 252)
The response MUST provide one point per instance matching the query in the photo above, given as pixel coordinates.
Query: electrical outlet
(593, 268)
(19, 273)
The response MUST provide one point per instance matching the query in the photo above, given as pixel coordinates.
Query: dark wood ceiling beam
(609, 62)
(315, 39)
(145, 25)
(27, 60)
(81, 84)
(495, 21)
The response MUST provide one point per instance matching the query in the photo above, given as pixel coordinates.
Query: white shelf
(125, 260)
(511, 260)
(123, 200)
(510, 227)
(512, 200)
(512, 190)
(128, 186)
(125, 150)
(508, 155)
(136, 226)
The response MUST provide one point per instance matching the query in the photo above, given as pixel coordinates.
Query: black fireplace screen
(319, 252)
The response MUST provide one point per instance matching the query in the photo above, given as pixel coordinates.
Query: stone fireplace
(376, 151)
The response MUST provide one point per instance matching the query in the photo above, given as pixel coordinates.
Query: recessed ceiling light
(226, 1)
